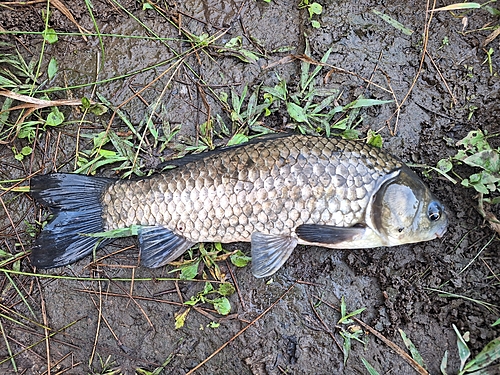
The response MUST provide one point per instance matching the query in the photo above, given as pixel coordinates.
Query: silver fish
(275, 193)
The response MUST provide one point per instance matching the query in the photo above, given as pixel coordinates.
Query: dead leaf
(36, 103)
(491, 37)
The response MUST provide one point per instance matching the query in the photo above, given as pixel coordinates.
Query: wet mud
(292, 316)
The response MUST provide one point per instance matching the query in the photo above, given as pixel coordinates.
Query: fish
(275, 193)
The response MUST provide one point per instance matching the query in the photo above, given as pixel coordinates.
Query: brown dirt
(395, 285)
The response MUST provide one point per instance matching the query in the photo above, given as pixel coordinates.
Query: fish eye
(434, 211)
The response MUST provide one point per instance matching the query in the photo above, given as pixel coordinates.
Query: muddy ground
(95, 321)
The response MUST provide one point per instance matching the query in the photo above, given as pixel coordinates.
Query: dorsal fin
(191, 158)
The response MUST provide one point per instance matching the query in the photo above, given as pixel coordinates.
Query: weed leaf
(487, 159)
(315, 24)
(315, 8)
(180, 319)
(55, 117)
(369, 367)
(239, 259)
(189, 270)
(475, 140)
(489, 354)
(444, 363)
(492, 11)
(237, 139)
(235, 42)
(444, 165)
(133, 230)
(366, 103)
(52, 68)
(463, 349)
(347, 347)
(411, 347)
(296, 112)
(222, 305)
(374, 139)
(347, 318)
(226, 289)
(50, 35)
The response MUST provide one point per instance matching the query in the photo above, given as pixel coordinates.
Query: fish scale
(270, 187)
(274, 193)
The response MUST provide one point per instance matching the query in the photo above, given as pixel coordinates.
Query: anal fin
(270, 252)
(159, 246)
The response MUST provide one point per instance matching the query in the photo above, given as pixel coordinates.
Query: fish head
(405, 211)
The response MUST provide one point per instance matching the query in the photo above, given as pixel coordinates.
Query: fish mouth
(440, 233)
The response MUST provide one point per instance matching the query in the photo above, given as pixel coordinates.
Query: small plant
(107, 367)
(20, 77)
(215, 296)
(475, 151)
(391, 21)
(221, 303)
(88, 161)
(315, 110)
(314, 9)
(489, 53)
(158, 370)
(245, 114)
(210, 255)
(235, 48)
(445, 42)
(489, 354)
(21, 154)
(312, 109)
(347, 329)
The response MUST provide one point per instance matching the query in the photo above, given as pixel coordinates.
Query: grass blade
(391, 21)
(459, 6)
(11, 281)
(411, 347)
(444, 363)
(347, 317)
(9, 350)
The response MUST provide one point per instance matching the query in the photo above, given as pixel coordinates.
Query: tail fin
(75, 202)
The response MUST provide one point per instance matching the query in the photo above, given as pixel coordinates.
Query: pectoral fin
(159, 246)
(269, 252)
(328, 234)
